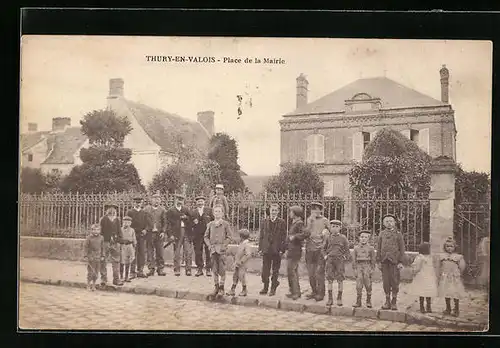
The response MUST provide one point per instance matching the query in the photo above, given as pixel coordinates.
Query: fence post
(442, 198)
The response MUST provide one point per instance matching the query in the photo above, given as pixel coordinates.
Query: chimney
(445, 79)
(59, 124)
(116, 87)
(32, 127)
(206, 118)
(301, 91)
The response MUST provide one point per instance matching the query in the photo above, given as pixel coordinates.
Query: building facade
(154, 138)
(333, 131)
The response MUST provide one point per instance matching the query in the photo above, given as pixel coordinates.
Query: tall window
(414, 135)
(30, 157)
(366, 139)
(315, 148)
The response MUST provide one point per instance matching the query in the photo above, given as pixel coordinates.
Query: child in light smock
(451, 267)
(424, 283)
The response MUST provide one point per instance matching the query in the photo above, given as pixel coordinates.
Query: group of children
(327, 251)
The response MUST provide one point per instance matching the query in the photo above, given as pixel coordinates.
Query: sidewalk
(473, 310)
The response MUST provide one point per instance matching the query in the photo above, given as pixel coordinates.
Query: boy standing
(315, 260)
(363, 266)
(241, 258)
(390, 254)
(220, 199)
(155, 234)
(94, 254)
(179, 230)
(129, 244)
(111, 233)
(140, 223)
(296, 237)
(202, 215)
(217, 238)
(336, 251)
(272, 245)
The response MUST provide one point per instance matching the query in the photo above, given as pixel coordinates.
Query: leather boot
(232, 291)
(243, 291)
(265, 289)
(428, 308)
(358, 300)
(369, 300)
(387, 304)
(273, 289)
(394, 307)
(330, 298)
(422, 308)
(447, 311)
(456, 310)
(339, 299)
(151, 272)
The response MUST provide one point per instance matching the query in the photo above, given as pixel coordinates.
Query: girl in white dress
(451, 267)
(424, 284)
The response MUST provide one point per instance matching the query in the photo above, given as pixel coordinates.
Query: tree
(106, 166)
(391, 162)
(33, 180)
(191, 168)
(224, 150)
(471, 186)
(296, 177)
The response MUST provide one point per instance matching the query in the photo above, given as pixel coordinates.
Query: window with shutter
(406, 133)
(423, 139)
(328, 188)
(319, 148)
(357, 146)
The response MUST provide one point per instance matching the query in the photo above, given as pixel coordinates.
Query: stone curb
(346, 311)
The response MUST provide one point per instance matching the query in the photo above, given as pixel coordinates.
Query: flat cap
(336, 222)
(200, 197)
(317, 204)
(389, 215)
(127, 218)
(220, 186)
(110, 205)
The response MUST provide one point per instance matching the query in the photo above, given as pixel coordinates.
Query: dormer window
(362, 102)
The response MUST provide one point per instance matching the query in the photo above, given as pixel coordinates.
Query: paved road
(53, 307)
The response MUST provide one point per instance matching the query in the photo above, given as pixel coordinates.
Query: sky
(68, 76)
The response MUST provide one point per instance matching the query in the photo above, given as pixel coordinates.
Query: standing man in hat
(111, 232)
(155, 235)
(201, 215)
(315, 259)
(390, 255)
(140, 223)
(220, 199)
(179, 230)
(272, 245)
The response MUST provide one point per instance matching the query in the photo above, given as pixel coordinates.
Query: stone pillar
(442, 201)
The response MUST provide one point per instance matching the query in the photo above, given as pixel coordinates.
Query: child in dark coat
(94, 255)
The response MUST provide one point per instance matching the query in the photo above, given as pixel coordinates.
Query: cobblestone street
(52, 307)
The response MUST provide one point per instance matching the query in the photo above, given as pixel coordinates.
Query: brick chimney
(206, 118)
(445, 81)
(302, 84)
(59, 124)
(32, 127)
(116, 87)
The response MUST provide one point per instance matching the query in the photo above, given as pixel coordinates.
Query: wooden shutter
(328, 188)
(373, 135)
(357, 146)
(310, 148)
(423, 139)
(406, 133)
(319, 148)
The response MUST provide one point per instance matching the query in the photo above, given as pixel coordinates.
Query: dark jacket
(299, 232)
(111, 230)
(173, 219)
(203, 220)
(272, 239)
(141, 220)
(156, 216)
(390, 247)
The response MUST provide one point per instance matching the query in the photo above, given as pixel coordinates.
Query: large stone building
(153, 138)
(333, 131)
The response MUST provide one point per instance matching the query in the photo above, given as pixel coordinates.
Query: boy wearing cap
(111, 233)
(296, 236)
(179, 230)
(94, 254)
(363, 266)
(390, 255)
(128, 244)
(272, 245)
(140, 223)
(220, 199)
(336, 251)
(315, 260)
(155, 235)
(217, 238)
(202, 215)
